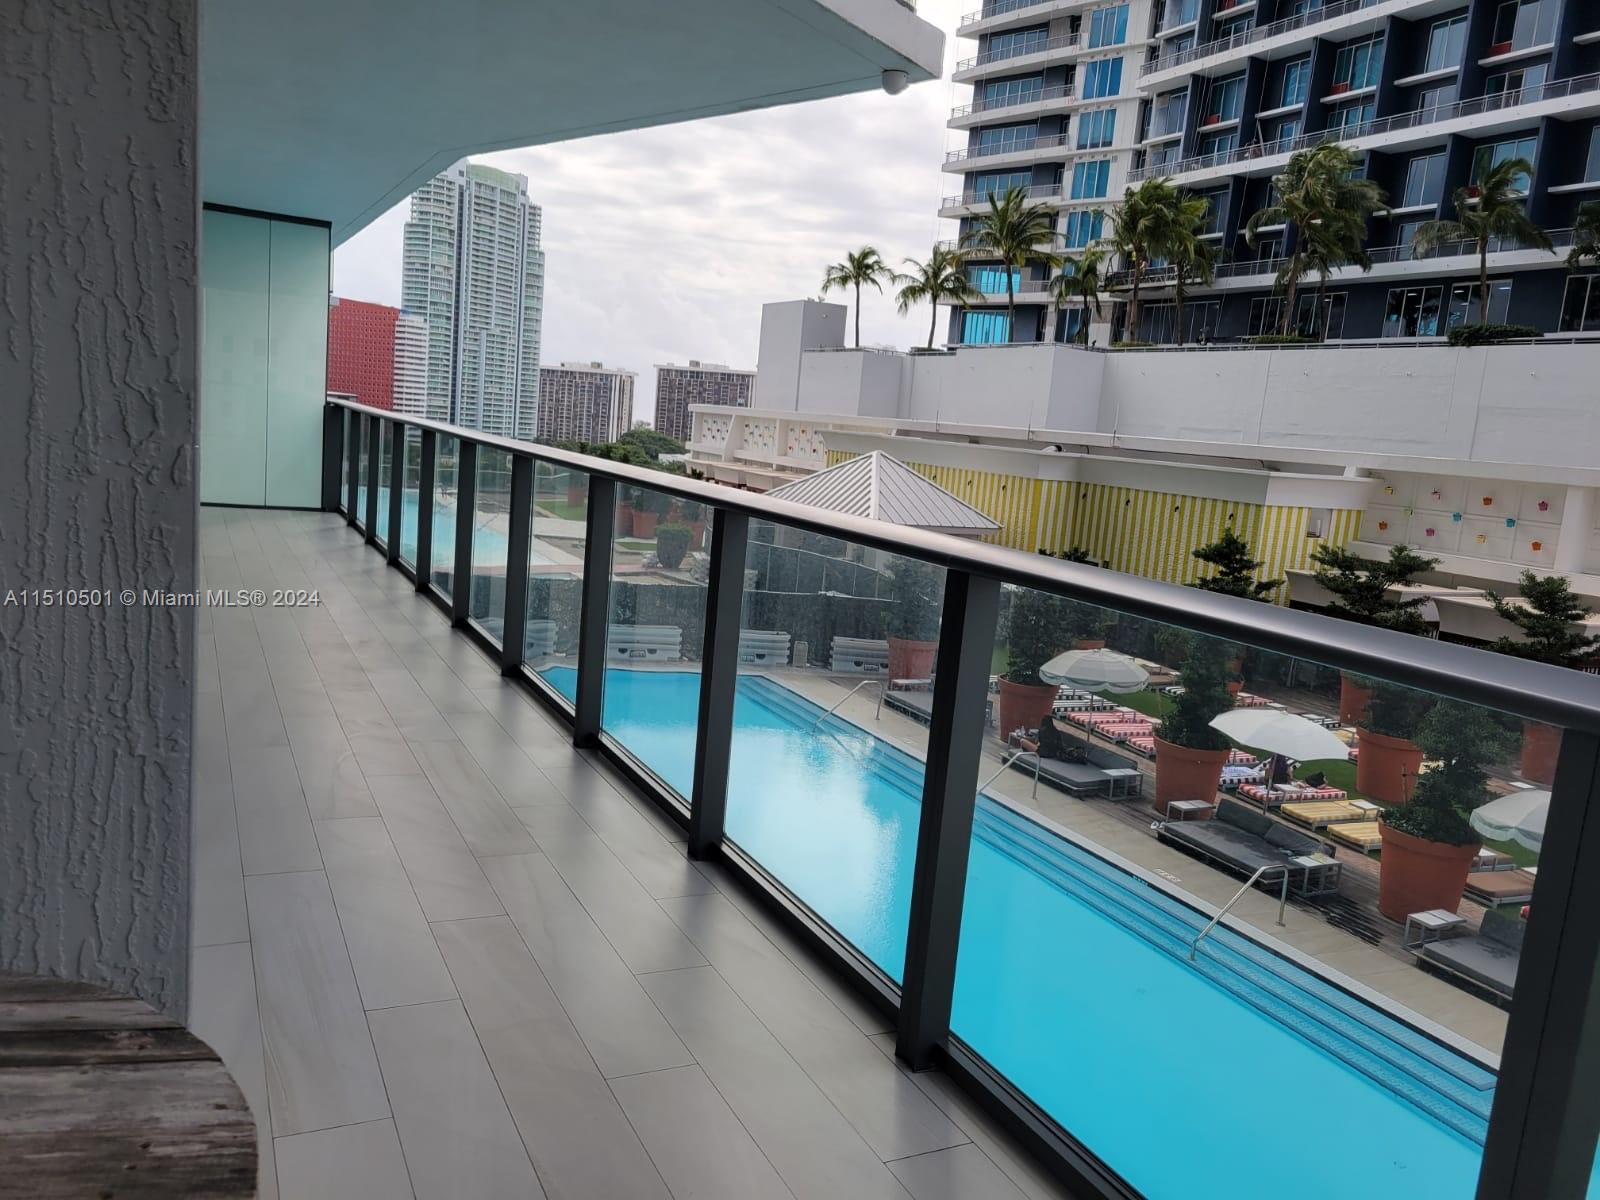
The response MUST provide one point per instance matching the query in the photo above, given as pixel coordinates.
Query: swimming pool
(488, 544)
(1240, 1077)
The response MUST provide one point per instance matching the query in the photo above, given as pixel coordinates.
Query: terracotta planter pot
(1415, 875)
(1022, 705)
(911, 660)
(576, 493)
(1387, 767)
(1235, 686)
(1185, 774)
(1353, 701)
(624, 521)
(644, 523)
(1089, 644)
(697, 533)
(1540, 745)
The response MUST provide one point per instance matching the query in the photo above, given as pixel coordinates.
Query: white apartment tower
(474, 272)
(411, 368)
(585, 402)
(1054, 111)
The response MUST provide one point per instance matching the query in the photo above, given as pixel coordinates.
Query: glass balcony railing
(1257, 33)
(1064, 41)
(1172, 877)
(1013, 100)
(1020, 145)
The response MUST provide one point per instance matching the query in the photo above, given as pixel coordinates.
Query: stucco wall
(98, 219)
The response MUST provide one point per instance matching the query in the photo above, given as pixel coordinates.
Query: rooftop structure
(883, 488)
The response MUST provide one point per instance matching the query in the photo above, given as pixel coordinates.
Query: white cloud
(662, 244)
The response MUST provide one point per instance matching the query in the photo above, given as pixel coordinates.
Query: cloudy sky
(661, 245)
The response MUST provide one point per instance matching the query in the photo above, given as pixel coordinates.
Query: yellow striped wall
(1132, 529)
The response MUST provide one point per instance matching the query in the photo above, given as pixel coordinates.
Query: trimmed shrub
(672, 543)
(1281, 339)
(1488, 335)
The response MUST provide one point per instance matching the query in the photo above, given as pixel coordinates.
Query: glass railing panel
(442, 570)
(491, 528)
(655, 634)
(385, 457)
(1130, 789)
(555, 572)
(346, 448)
(363, 470)
(836, 649)
(410, 483)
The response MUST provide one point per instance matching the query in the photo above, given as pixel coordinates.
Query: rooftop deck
(445, 954)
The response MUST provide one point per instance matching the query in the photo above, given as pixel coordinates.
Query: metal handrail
(842, 700)
(1020, 146)
(1064, 41)
(1522, 687)
(1283, 901)
(1259, 33)
(999, 9)
(1059, 91)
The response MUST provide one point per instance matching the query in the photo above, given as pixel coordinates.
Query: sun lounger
(1363, 835)
(763, 647)
(859, 656)
(1247, 700)
(1494, 888)
(651, 643)
(1122, 731)
(1487, 959)
(1090, 778)
(1242, 758)
(1317, 814)
(539, 639)
(1237, 776)
(1243, 839)
(1142, 745)
(1272, 797)
(1115, 716)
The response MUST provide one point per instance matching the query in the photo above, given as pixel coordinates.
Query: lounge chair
(649, 643)
(539, 639)
(1237, 776)
(859, 656)
(1487, 959)
(1362, 835)
(1318, 814)
(1272, 797)
(763, 647)
(1145, 745)
(1494, 888)
(1244, 839)
(1087, 778)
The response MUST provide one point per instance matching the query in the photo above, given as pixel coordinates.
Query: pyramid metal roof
(879, 485)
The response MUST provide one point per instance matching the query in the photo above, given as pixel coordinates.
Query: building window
(1296, 82)
(1591, 167)
(1517, 87)
(1266, 315)
(1580, 309)
(1216, 210)
(1179, 12)
(1347, 120)
(1283, 129)
(1447, 41)
(1166, 115)
(1485, 158)
(1520, 24)
(1181, 44)
(1358, 65)
(991, 281)
(1424, 180)
(1108, 27)
(985, 328)
(996, 183)
(1432, 100)
(1224, 101)
(1006, 92)
(1002, 139)
(1083, 228)
(1096, 129)
(1102, 77)
(1160, 156)
(1219, 143)
(1090, 180)
(1429, 312)
(1019, 41)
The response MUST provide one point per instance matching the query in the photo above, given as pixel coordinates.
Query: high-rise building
(1054, 111)
(1216, 95)
(361, 339)
(677, 387)
(585, 402)
(474, 272)
(411, 366)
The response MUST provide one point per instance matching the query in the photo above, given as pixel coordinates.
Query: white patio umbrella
(1517, 818)
(1095, 671)
(1280, 733)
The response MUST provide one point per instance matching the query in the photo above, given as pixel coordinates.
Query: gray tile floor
(447, 955)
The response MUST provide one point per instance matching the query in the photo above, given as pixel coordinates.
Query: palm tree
(1081, 280)
(1016, 233)
(1491, 207)
(1326, 205)
(866, 265)
(1585, 235)
(1139, 229)
(1193, 258)
(940, 280)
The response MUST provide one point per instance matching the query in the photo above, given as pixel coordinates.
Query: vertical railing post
(374, 459)
(1546, 1115)
(425, 469)
(397, 484)
(517, 539)
(332, 455)
(466, 516)
(719, 676)
(353, 482)
(595, 614)
(949, 798)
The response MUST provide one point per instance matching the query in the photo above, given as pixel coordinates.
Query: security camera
(894, 82)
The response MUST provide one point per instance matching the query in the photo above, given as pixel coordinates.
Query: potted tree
(1190, 754)
(1088, 623)
(1550, 620)
(649, 506)
(1234, 571)
(1360, 588)
(672, 543)
(1036, 635)
(916, 589)
(1388, 762)
(1429, 844)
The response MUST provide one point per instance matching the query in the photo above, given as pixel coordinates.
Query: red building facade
(361, 350)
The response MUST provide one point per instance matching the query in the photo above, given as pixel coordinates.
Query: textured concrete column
(98, 343)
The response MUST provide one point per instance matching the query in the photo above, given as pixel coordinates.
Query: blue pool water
(488, 545)
(1242, 1077)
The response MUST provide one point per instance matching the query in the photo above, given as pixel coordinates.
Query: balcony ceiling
(338, 109)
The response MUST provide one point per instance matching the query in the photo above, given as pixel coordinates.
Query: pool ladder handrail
(1283, 900)
(1005, 761)
(842, 700)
